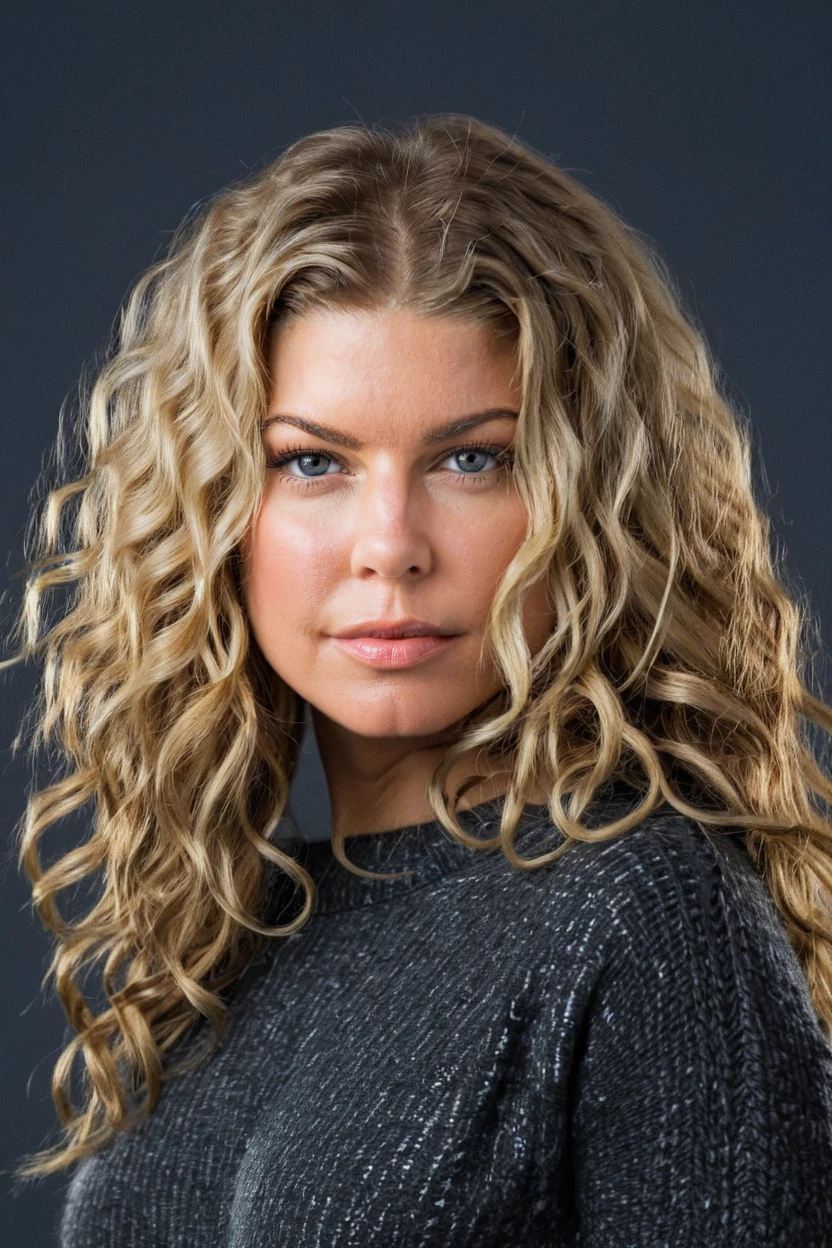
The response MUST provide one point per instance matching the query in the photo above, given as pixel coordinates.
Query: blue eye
(470, 459)
(316, 462)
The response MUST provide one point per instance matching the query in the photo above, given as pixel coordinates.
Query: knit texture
(618, 1049)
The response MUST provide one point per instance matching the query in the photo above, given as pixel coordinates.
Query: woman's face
(376, 511)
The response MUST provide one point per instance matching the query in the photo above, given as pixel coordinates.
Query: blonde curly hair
(678, 661)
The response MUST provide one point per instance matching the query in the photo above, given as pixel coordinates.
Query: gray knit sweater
(617, 1049)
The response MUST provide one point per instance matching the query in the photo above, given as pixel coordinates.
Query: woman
(409, 430)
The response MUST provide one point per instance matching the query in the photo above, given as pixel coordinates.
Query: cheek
(479, 548)
(483, 553)
(286, 568)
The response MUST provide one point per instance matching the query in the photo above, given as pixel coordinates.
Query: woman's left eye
(470, 459)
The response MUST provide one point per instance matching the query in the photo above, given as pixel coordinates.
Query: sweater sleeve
(702, 1113)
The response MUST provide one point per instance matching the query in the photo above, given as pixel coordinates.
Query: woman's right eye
(312, 464)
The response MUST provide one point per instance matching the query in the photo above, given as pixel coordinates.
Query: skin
(394, 529)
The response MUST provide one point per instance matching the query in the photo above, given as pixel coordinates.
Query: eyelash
(500, 453)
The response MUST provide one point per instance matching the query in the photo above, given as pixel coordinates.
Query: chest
(412, 1107)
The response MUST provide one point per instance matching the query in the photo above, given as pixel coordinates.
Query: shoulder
(698, 1059)
(677, 907)
(666, 861)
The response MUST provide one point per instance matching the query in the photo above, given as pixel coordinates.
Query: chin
(395, 716)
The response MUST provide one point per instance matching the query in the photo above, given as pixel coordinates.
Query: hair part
(679, 658)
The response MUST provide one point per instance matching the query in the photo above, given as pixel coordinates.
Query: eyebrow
(440, 433)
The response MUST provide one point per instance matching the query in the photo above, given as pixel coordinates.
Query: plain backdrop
(706, 127)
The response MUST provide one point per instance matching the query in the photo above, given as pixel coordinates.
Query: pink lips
(394, 652)
(394, 643)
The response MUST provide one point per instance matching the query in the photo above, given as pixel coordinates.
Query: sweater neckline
(426, 850)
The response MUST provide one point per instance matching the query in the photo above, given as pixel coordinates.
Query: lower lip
(394, 652)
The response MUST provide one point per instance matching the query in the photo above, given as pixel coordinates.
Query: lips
(392, 629)
(393, 653)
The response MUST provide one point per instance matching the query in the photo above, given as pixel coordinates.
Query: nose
(390, 537)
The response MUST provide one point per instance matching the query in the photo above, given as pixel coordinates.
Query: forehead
(389, 369)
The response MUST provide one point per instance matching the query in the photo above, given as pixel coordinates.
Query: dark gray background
(706, 126)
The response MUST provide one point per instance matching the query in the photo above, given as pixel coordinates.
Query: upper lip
(395, 628)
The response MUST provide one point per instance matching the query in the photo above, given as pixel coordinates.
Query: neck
(377, 784)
